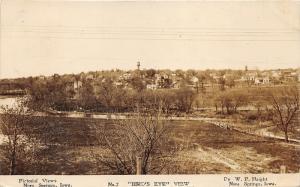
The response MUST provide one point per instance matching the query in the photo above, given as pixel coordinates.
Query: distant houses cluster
(165, 79)
(172, 80)
(272, 77)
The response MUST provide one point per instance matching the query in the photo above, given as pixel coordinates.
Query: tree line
(104, 96)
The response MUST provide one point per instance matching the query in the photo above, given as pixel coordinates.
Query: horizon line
(157, 69)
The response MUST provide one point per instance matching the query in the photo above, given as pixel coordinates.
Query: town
(205, 119)
(161, 79)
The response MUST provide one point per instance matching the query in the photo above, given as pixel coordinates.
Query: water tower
(138, 65)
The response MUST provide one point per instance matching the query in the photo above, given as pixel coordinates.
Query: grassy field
(203, 148)
(234, 151)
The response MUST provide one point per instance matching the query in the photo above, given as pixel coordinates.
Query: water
(10, 102)
(7, 101)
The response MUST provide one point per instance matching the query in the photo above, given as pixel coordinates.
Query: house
(163, 81)
(262, 80)
(118, 83)
(176, 85)
(125, 76)
(289, 76)
(77, 84)
(215, 76)
(72, 86)
(250, 76)
(162, 75)
(194, 80)
(152, 86)
(258, 80)
(266, 80)
(42, 77)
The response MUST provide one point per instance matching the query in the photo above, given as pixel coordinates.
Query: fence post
(282, 169)
(138, 165)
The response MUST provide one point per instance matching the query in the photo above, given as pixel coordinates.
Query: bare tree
(239, 98)
(285, 105)
(87, 98)
(111, 96)
(184, 99)
(144, 135)
(23, 133)
(12, 126)
(231, 100)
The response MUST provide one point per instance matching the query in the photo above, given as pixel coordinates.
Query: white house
(77, 84)
(152, 86)
(194, 80)
(266, 80)
(262, 80)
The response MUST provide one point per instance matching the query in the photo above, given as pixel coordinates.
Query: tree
(180, 73)
(202, 79)
(285, 105)
(230, 82)
(145, 136)
(239, 98)
(56, 95)
(165, 83)
(137, 83)
(166, 100)
(37, 99)
(47, 94)
(87, 98)
(230, 100)
(19, 145)
(111, 96)
(184, 99)
(150, 73)
(152, 99)
(221, 82)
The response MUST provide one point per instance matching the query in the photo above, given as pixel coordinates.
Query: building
(194, 80)
(77, 84)
(152, 86)
(262, 80)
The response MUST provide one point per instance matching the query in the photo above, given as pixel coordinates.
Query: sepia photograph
(149, 88)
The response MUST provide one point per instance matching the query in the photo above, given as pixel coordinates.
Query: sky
(46, 37)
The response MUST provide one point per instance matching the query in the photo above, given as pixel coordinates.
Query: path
(261, 132)
(217, 156)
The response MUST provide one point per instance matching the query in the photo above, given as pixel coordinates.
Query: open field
(235, 151)
(202, 148)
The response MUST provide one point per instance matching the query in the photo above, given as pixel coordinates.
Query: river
(7, 101)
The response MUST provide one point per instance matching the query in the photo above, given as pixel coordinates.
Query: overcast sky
(43, 37)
